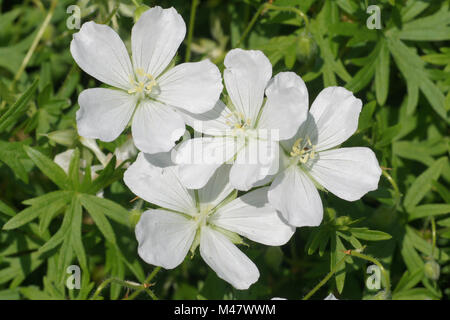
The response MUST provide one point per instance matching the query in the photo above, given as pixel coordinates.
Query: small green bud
(139, 11)
(306, 48)
(432, 270)
(64, 137)
(135, 216)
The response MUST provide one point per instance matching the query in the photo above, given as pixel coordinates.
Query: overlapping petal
(194, 86)
(155, 39)
(156, 127)
(164, 237)
(286, 106)
(335, 113)
(100, 52)
(226, 259)
(349, 173)
(295, 196)
(198, 158)
(258, 159)
(159, 185)
(246, 76)
(104, 113)
(254, 218)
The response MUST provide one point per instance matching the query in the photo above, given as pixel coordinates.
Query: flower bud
(306, 48)
(64, 137)
(432, 270)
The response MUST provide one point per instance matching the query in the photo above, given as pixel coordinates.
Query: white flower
(205, 218)
(246, 131)
(142, 90)
(349, 173)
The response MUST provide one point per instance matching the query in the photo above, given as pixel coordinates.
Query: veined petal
(199, 158)
(100, 52)
(159, 185)
(194, 86)
(155, 39)
(295, 196)
(349, 173)
(215, 122)
(286, 106)
(254, 218)
(156, 127)
(217, 188)
(335, 113)
(227, 260)
(246, 76)
(164, 237)
(104, 113)
(258, 159)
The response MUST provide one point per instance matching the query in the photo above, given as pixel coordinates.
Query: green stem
(325, 280)
(354, 253)
(131, 285)
(269, 6)
(298, 12)
(251, 23)
(433, 235)
(145, 288)
(35, 43)
(393, 183)
(194, 5)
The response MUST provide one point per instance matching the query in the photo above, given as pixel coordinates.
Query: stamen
(303, 153)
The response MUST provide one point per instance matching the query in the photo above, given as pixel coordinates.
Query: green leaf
(18, 108)
(98, 215)
(12, 154)
(53, 171)
(382, 68)
(371, 235)
(49, 203)
(422, 184)
(428, 210)
(106, 207)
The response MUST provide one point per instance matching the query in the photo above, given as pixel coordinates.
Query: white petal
(286, 106)
(295, 196)
(335, 113)
(246, 76)
(254, 218)
(217, 188)
(164, 237)
(194, 86)
(159, 185)
(63, 159)
(349, 173)
(155, 39)
(253, 163)
(227, 260)
(99, 51)
(330, 297)
(156, 127)
(199, 158)
(215, 122)
(104, 113)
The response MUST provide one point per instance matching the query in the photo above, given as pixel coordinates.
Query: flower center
(304, 150)
(239, 123)
(145, 86)
(202, 217)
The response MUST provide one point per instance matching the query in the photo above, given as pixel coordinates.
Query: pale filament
(305, 151)
(142, 86)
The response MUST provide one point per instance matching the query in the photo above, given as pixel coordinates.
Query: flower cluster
(262, 140)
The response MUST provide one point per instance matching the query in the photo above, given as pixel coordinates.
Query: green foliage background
(51, 219)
